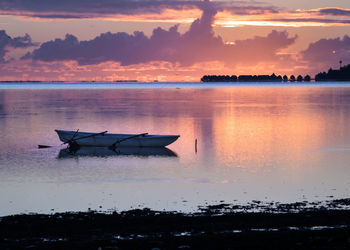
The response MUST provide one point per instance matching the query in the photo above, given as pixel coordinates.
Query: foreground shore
(224, 226)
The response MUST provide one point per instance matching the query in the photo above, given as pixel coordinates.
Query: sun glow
(242, 23)
(287, 19)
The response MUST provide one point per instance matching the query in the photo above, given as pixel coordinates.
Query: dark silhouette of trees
(321, 76)
(245, 78)
(222, 78)
(241, 78)
(234, 78)
(273, 77)
(253, 78)
(343, 74)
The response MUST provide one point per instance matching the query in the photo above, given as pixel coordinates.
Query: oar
(83, 137)
(127, 138)
(46, 146)
(71, 141)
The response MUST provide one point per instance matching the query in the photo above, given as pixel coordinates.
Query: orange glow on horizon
(143, 72)
(297, 19)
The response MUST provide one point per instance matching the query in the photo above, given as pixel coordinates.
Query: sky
(171, 40)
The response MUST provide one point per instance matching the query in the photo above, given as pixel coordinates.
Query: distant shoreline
(343, 74)
(340, 75)
(170, 82)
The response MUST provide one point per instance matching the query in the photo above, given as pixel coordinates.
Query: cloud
(311, 20)
(333, 11)
(327, 53)
(17, 42)
(89, 9)
(234, 13)
(198, 44)
(261, 49)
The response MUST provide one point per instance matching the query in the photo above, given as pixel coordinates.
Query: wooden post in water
(195, 145)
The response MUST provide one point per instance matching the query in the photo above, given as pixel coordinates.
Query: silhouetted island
(254, 78)
(342, 74)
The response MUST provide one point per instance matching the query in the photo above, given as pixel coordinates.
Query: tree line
(343, 74)
(255, 78)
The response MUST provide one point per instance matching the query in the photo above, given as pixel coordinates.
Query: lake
(268, 142)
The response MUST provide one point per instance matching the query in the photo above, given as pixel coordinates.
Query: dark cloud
(198, 44)
(91, 8)
(334, 11)
(17, 42)
(328, 52)
(310, 20)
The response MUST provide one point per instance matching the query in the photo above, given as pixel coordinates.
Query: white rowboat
(115, 140)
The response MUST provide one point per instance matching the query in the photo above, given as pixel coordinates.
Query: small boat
(104, 139)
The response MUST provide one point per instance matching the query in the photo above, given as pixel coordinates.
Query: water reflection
(121, 151)
(258, 143)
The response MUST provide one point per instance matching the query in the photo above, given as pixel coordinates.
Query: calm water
(255, 142)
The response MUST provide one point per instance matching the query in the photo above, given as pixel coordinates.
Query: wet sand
(224, 226)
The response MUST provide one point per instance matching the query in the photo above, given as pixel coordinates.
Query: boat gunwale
(111, 134)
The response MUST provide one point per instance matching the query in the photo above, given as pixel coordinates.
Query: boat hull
(118, 140)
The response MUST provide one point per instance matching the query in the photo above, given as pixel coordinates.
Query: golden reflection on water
(257, 133)
(241, 125)
(253, 143)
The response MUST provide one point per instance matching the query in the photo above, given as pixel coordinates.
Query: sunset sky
(171, 40)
